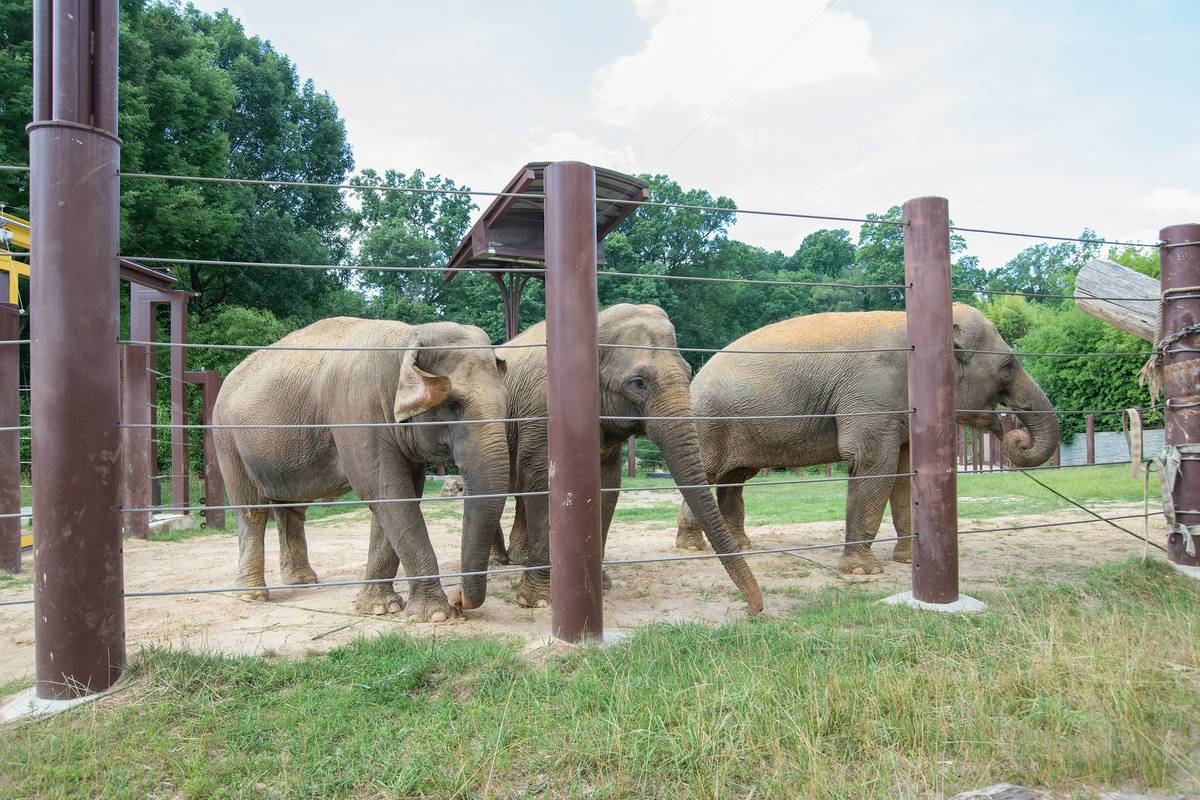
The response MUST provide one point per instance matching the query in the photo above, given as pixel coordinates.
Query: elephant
(634, 383)
(389, 374)
(738, 383)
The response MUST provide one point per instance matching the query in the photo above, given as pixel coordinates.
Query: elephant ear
(417, 391)
(966, 341)
(501, 363)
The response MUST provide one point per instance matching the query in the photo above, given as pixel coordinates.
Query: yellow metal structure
(14, 232)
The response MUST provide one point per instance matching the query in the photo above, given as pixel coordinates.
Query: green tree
(1045, 269)
(828, 253)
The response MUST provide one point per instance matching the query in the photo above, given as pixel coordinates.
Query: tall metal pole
(10, 440)
(631, 457)
(79, 619)
(136, 460)
(932, 430)
(573, 399)
(1091, 439)
(1180, 270)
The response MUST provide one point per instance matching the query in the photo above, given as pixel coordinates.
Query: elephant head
(643, 376)
(456, 385)
(987, 375)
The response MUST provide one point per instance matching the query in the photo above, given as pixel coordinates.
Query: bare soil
(296, 622)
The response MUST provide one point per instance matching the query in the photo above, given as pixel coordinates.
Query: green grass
(1061, 685)
(979, 496)
(10, 581)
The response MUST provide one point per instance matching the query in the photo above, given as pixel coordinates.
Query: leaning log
(1134, 304)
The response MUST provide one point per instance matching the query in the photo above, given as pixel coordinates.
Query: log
(1100, 278)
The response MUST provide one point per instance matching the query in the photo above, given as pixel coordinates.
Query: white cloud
(561, 145)
(700, 51)
(1168, 203)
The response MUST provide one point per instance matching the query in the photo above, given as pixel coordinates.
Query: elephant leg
(688, 533)
(293, 547)
(251, 530)
(533, 590)
(499, 554)
(404, 528)
(900, 501)
(866, 498)
(518, 544)
(733, 506)
(610, 478)
(382, 565)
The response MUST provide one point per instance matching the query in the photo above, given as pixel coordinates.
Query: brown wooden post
(79, 619)
(10, 439)
(1180, 269)
(829, 470)
(931, 397)
(137, 465)
(209, 382)
(631, 457)
(573, 399)
(1058, 455)
(180, 468)
(1091, 439)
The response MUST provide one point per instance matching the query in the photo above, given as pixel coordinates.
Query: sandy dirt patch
(299, 621)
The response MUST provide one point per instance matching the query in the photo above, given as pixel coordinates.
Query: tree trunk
(1100, 278)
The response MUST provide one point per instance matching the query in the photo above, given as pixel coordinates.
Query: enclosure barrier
(78, 595)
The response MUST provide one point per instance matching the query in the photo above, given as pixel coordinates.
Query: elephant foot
(298, 575)
(859, 562)
(533, 594)
(377, 599)
(690, 540)
(430, 609)
(257, 595)
(902, 553)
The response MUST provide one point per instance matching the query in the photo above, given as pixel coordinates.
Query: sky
(1045, 117)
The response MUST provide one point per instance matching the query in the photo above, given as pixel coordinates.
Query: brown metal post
(135, 442)
(10, 440)
(209, 382)
(573, 399)
(631, 457)
(79, 619)
(931, 398)
(1180, 269)
(1091, 439)
(180, 466)
(1058, 455)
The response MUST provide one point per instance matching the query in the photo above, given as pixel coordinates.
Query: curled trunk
(680, 447)
(1034, 445)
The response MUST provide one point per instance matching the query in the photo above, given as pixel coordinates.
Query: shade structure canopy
(510, 234)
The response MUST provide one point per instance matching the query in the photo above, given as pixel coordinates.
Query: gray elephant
(393, 378)
(634, 383)
(751, 384)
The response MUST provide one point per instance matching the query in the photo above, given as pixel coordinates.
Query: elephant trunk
(1035, 444)
(484, 464)
(680, 447)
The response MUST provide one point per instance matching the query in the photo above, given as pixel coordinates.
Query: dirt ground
(299, 621)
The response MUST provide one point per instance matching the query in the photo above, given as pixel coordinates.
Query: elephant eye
(455, 408)
(638, 384)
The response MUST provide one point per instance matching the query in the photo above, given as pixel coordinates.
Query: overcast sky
(1033, 116)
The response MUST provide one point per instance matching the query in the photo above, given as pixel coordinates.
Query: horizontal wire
(314, 425)
(619, 418)
(757, 281)
(330, 348)
(1061, 524)
(1051, 296)
(377, 187)
(1053, 411)
(16, 428)
(961, 229)
(494, 571)
(753, 483)
(716, 350)
(1169, 245)
(208, 262)
(317, 503)
(14, 341)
